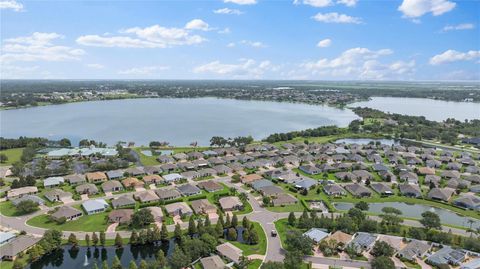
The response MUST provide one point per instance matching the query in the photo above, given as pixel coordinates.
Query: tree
(253, 239)
(133, 238)
(51, 240)
(142, 218)
(291, 219)
(382, 262)
(362, 205)
(381, 248)
(116, 263)
(296, 241)
(232, 234)
(164, 232)
(430, 220)
(87, 240)
(234, 221)
(143, 264)
(192, 229)
(27, 206)
(228, 223)
(72, 240)
(105, 264)
(3, 158)
(65, 142)
(178, 259)
(94, 239)
(245, 222)
(178, 231)
(293, 260)
(243, 262)
(272, 265)
(132, 265)
(161, 260)
(18, 264)
(118, 241)
(102, 238)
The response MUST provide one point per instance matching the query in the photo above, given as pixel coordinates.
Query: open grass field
(86, 223)
(144, 159)
(13, 155)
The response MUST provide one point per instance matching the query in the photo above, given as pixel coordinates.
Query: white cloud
(228, 11)
(38, 47)
(348, 3)
(146, 70)
(450, 56)
(334, 17)
(324, 43)
(197, 24)
(11, 4)
(95, 66)
(241, 2)
(17, 72)
(418, 8)
(316, 3)
(462, 26)
(254, 44)
(226, 30)
(246, 68)
(154, 36)
(356, 63)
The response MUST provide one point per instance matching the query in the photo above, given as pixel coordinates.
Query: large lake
(436, 110)
(178, 121)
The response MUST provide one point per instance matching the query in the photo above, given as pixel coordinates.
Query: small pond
(415, 211)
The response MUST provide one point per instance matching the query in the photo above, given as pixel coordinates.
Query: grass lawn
(8, 209)
(9, 264)
(144, 159)
(260, 248)
(254, 264)
(87, 223)
(411, 265)
(13, 155)
(282, 227)
(298, 207)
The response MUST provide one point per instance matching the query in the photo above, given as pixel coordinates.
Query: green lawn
(254, 264)
(13, 155)
(282, 227)
(260, 248)
(86, 223)
(8, 209)
(144, 159)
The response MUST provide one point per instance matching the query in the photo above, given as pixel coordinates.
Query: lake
(415, 211)
(436, 110)
(178, 121)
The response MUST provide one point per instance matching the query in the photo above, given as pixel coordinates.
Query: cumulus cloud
(324, 43)
(241, 2)
(197, 24)
(11, 4)
(254, 44)
(145, 70)
(228, 11)
(38, 47)
(8, 71)
(450, 56)
(348, 3)
(95, 66)
(334, 17)
(154, 36)
(418, 8)
(246, 68)
(325, 3)
(462, 26)
(356, 63)
(225, 30)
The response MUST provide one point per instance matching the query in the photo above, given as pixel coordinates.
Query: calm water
(432, 109)
(178, 121)
(415, 211)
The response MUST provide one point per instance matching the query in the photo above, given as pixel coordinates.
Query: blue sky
(241, 39)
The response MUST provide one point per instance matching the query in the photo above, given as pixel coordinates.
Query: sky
(241, 39)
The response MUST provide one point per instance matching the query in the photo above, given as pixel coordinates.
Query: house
(180, 156)
(168, 167)
(447, 255)
(190, 175)
(19, 192)
(222, 169)
(270, 191)
(123, 201)
(426, 171)
(96, 177)
(414, 249)
(472, 264)
(94, 206)
(310, 169)
(87, 188)
(112, 186)
(157, 213)
(28, 197)
(363, 175)
(377, 167)
(165, 159)
(382, 189)
(188, 189)
(178, 209)
(203, 206)
(152, 179)
(166, 194)
(230, 252)
(115, 174)
(67, 212)
(316, 234)
(409, 177)
(248, 179)
(210, 186)
(212, 262)
(120, 216)
(147, 196)
(410, 190)
(441, 194)
(194, 155)
(172, 177)
(284, 199)
(345, 176)
(363, 241)
(51, 182)
(207, 172)
(6, 237)
(230, 203)
(258, 184)
(75, 179)
(334, 190)
(449, 174)
(132, 182)
(22, 243)
(358, 190)
(305, 184)
(434, 179)
(152, 170)
(341, 238)
(468, 201)
(135, 171)
(57, 195)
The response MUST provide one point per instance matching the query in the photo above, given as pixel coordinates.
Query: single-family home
(178, 209)
(249, 179)
(132, 182)
(28, 197)
(310, 169)
(442, 194)
(112, 186)
(447, 255)
(166, 194)
(19, 192)
(67, 212)
(210, 186)
(75, 179)
(120, 216)
(115, 174)
(284, 199)
(230, 203)
(410, 190)
(152, 179)
(188, 189)
(172, 177)
(316, 234)
(203, 206)
(334, 190)
(212, 262)
(358, 190)
(123, 201)
(96, 177)
(230, 252)
(94, 206)
(157, 213)
(414, 249)
(382, 189)
(20, 244)
(57, 195)
(147, 196)
(363, 241)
